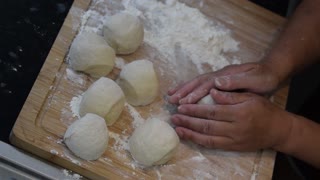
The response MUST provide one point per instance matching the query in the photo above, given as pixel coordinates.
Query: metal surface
(16, 164)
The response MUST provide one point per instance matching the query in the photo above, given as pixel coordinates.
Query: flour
(71, 176)
(119, 63)
(75, 105)
(54, 152)
(137, 119)
(71, 157)
(175, 30)
(173, 27)
(121, 141)
(75, 77)
(75, 14)
(201, 175)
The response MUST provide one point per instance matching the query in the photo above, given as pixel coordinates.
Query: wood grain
(46, 113)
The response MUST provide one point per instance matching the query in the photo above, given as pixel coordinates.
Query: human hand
(253, 77)
(239, 121)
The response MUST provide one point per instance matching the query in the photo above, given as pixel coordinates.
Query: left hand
(239, 121)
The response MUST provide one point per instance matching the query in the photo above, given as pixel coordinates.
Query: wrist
(286, 134)
(279, 70)
(299, 135)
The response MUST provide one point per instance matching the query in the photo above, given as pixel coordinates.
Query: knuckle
(206, 127)
(211, 114)
(184, 121)
(187, 135)
(208, 142)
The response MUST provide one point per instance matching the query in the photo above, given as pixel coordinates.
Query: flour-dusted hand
(239, 121)
(252, 77)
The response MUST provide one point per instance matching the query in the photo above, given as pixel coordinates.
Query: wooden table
(40, 125)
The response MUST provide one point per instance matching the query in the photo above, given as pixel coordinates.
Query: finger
(218, 142)
(183, 91)
(203, 126)
(236, 68)
(197, 94)
(229, 98)
(174, 90)
(248, 80)
(216, 112)
(231, 82)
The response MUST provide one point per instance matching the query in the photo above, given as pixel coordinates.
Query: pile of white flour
(178, 32)
(173, 29)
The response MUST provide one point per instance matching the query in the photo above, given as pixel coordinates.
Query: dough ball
(123, 32)
(87, 137)
(139, 82)
(91, 54)
(206, 100)
(153, 143)
(104, 98)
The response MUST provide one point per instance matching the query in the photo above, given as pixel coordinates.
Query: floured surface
(177, 57)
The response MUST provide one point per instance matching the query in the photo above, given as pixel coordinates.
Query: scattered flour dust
(75, 105)
(121, 141)
(173, 27)
(137, 119)
(71, 157)
(119, 63)
(75, 77)
(178, 32)
(71, 176)
(54, 152)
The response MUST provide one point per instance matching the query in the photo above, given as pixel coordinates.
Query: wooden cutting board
(46, 114)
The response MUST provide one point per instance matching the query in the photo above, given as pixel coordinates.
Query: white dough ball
(123, 32)
(139, 82)
(206, 100)
(87, 137)
(153, 143)
(91, 54)
(104, 98)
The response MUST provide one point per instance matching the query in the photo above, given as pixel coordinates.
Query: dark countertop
(28, 29)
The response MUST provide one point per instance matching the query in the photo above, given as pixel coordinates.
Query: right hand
(252, 77)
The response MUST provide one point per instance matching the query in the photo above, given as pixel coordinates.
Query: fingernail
(182, 101)
(173, 99)
(221, 81)
(213, 91)
(170, 91)
(181, 109)
(174, 119)
(179, 132)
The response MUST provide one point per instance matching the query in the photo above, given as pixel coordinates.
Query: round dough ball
(91, 54)
(123, 32)
(87, 137)
(104, 98)
(139, 82)
(206, 100)
(153, 143)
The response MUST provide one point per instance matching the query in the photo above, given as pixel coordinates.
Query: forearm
(302, 141)
(298, 44)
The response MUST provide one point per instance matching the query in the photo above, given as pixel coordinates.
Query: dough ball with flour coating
(139, 82)
(104, 98)
(91, 54)
(153, 143)
(206, 100)
(87, 137)
(123, 32)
